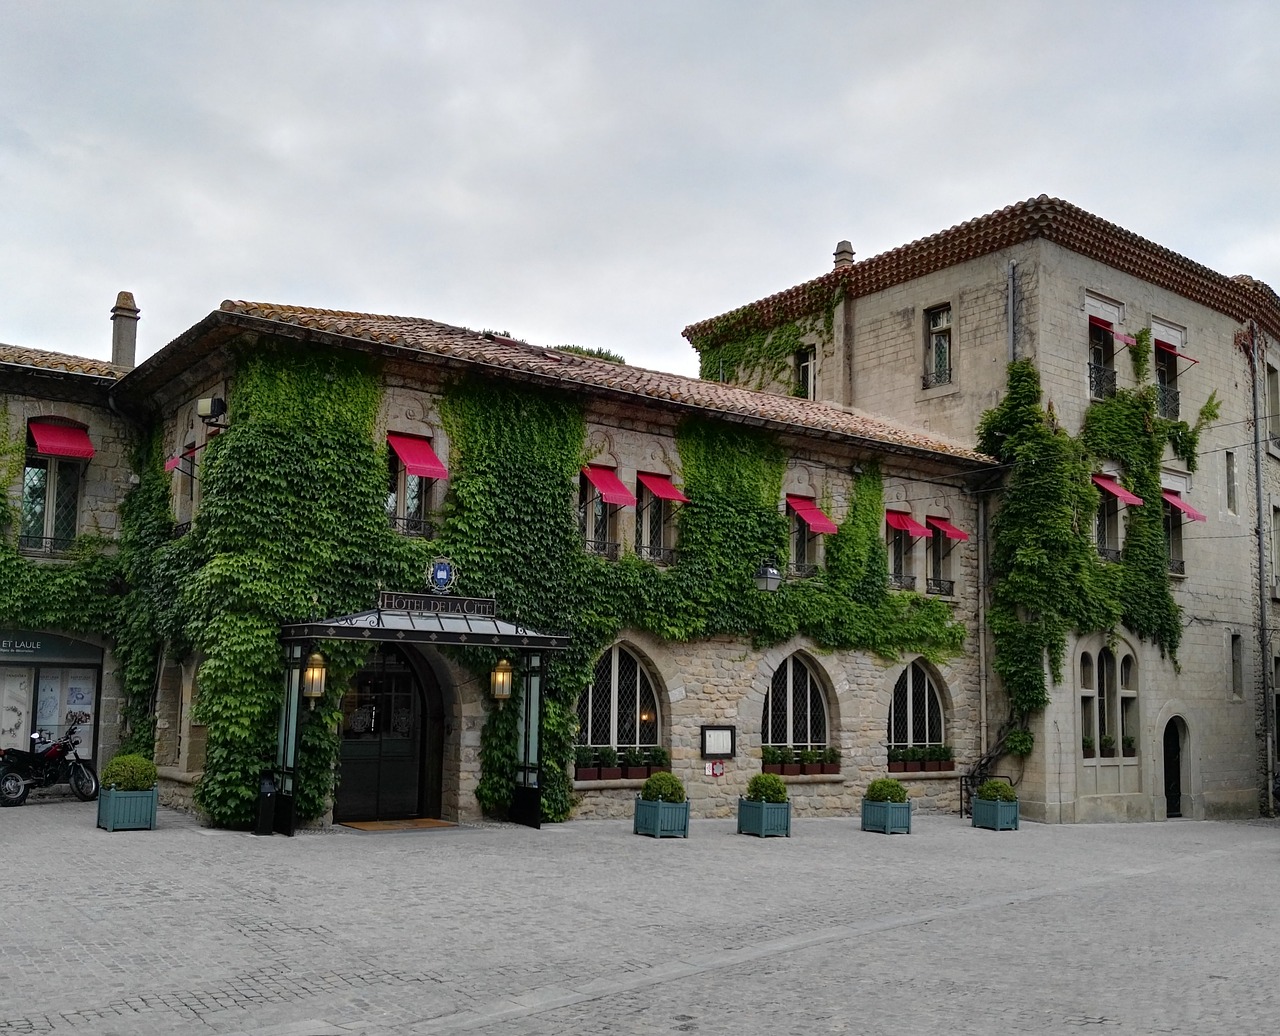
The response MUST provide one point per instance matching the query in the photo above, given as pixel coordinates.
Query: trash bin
(266, 804)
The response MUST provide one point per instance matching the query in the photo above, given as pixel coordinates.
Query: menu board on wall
(15, 701)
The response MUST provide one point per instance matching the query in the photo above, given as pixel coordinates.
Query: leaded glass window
(619, 706)
(50, 504)
(795, 711)
(915, 715)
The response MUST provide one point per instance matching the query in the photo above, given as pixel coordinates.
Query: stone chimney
(124, 331)
(844, 254)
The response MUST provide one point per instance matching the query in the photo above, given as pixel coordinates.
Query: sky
(593, 173)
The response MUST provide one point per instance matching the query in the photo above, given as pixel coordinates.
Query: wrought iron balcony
(414, 527)
(942, 587)
(48, 546)
(1167, 402)
(1102, 381)
(604, 548)
(1177, 567)
(658, 555)
(932, 379)
(1108, 553)
(901, 582)
(180, 529)
(802, 571)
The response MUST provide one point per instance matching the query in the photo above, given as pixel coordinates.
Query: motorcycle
(48, 763)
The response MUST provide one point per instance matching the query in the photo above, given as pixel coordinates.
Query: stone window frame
(903, 698)
(615, 666)
(778, 714)
(939, 333)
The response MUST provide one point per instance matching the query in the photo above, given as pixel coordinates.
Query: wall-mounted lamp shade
(500, 680)
(768, 577)
(313, 678)
(211, 408)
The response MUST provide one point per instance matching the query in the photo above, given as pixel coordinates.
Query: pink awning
(1173, 500)
(612, 491)
(1099, 322)
(1165, 347)
(811, 514)
(661, 487)
(61, 440)
(902, 520)
(1113, 487)
(416, 455)
(946, 528)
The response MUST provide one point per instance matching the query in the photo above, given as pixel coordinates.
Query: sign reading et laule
(18, 647)
(431, 604)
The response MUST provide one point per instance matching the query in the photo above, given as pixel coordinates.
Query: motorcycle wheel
(13, 790)
(84, 782)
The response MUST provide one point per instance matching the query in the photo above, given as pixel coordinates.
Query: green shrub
(1086, 743)
(608, 756)
(659, 757)
(663, 787)
(886, 789)
(129, 773)
(1107, 743)
(810, 756)
(766, 787)
(997, 791)
(584, 755)
(897, 754)
(1019, 742)
(831, 755)
(786, 756)
(633, 757)
(770, 755)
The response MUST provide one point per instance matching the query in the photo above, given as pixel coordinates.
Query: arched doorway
(392, 750)
(1173, 767)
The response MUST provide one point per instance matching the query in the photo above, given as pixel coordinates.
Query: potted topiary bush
(1107, 746)
(995, 807)
(129, 795)
(831, 760)
(886, 808)
(585, 767)
(787, 757)
(810, 760)
(913, 756)
(633, 764)
(1086, 746)
(659, 760)
(770, 759)
(765, 809)
(662, 808)
(1129, 745)
(609, 768)
(897, 759)
(947, 757)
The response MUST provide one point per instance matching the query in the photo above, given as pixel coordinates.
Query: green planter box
(889, 818)
(127, 810)
(995, 815)
(661, 819)
(766, 819)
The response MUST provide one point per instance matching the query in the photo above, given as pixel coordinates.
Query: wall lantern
(768, 577)
(210, 409)
(313, 678)
(500, 681)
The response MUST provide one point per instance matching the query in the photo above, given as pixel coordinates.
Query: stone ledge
(172, 773)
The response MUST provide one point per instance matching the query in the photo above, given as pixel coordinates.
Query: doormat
(417, 824)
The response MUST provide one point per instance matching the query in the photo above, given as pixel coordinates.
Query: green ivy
(747, 347)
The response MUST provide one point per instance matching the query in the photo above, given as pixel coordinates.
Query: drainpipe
(1011, 307)
(1264, 646)
(982, 618)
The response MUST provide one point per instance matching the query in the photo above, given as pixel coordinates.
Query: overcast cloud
(592, 172)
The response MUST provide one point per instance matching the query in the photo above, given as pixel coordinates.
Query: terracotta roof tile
(1240, 297)
(432, 338)
(51, 361)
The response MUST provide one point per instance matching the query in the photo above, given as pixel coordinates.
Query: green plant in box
(130, 772)
(770, 755)
(886, 789)
(663, 787)
(997, 791)
(608, 756)
(831, 754)
(633, 757)
(584, 756)
(659, 757)
(766, 787)
(786, 755)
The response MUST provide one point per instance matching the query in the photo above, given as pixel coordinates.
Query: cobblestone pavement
(584, 928)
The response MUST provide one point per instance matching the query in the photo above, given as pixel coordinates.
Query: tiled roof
(1061, 222)
(50, 361)
(431, 338)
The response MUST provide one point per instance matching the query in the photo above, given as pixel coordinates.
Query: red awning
(1167, 348)
(173, 462)
(1117, 490)
(612, 491)
(61, 440)
(811, 514)
(1099, 322)
(902, 520)
(417, 455)
(946, 528)
(661, 487)
(1173, 500)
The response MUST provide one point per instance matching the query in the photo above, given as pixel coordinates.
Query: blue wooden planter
(766, 819)
(887, 817)
(661, 819)
(995, 815)
(127, 810)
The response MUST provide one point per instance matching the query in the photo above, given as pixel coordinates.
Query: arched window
(1086, 671)
(915, 715)
(795, 713)
(1126, 673)
(618, 707)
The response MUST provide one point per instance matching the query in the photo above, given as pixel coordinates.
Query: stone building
(924, 334)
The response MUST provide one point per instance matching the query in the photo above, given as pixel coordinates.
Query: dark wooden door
(1172, 770)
